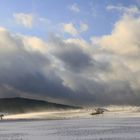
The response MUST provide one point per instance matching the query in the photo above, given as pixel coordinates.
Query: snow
(76, 125)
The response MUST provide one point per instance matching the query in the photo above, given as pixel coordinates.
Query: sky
(76, 52)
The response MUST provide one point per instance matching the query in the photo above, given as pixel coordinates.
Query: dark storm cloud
(72, 56)
(50, 86)
(21, 71)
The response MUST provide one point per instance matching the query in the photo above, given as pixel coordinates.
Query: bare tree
(1, 116)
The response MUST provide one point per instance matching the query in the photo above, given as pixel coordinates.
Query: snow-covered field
(72, 125)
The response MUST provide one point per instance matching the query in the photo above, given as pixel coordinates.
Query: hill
(23, 105)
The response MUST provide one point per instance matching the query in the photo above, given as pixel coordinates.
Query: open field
(110, 126)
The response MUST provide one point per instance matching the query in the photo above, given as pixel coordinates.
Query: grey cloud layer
(73, 71)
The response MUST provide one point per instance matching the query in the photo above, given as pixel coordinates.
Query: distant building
(98, 111)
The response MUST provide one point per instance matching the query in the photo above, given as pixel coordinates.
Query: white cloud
(74, 7)
(24, 19)
(124, 37)
(42, 21)
(35, 44)
(70, 29)
(30, 20)
(126, 10)
(83, 27)
(123, 47)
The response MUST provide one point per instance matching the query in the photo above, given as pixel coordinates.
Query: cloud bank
(74, 71)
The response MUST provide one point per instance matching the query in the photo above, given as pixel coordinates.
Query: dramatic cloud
(16, 61)
(74, 71)
(71, 55)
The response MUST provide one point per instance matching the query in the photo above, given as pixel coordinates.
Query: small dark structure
(98, 111)
(1, 116)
